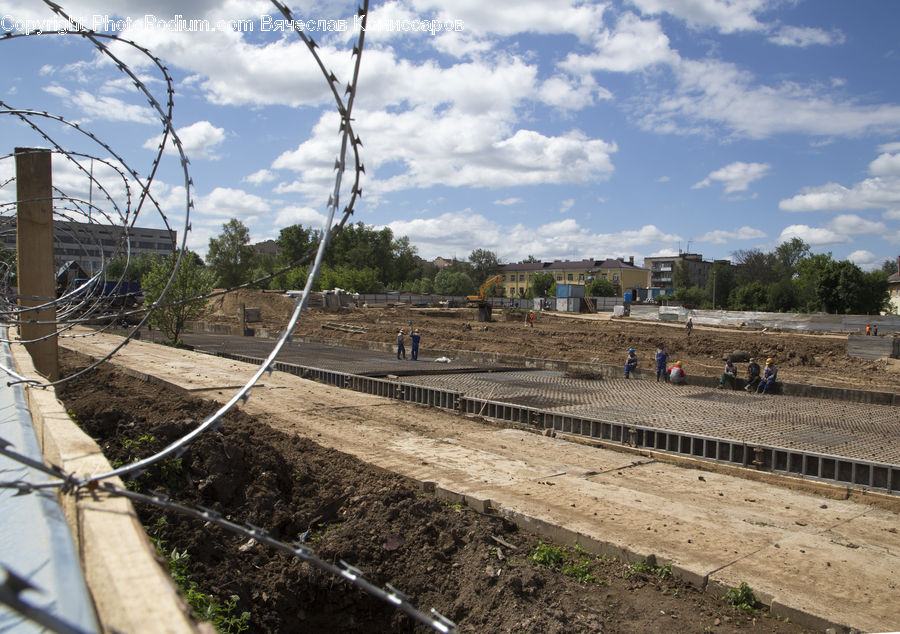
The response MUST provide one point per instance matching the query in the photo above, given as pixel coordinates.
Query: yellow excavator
(480, 301)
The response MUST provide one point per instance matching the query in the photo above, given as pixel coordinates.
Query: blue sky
(562, 130)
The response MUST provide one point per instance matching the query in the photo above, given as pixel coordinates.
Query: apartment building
(516, 278)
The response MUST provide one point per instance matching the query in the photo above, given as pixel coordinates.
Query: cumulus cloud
(104, 108)
(455, 233)
(633, 45)
(813, 236)
(197, 139)
(259, 177)
(724, 16)
(721, 236)
(736, 177)
(865, 259)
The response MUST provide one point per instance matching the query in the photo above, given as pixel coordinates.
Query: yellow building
(624, 275)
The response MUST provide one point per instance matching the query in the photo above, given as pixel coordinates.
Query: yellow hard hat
(678, 363)
(770, 361)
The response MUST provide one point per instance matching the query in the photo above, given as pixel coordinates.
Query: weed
(644, 567)
(545, 555)
(741, 598)
(580, 571)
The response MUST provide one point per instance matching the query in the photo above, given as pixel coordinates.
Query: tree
(485, 264)
(840, 287)
(295, 243)
(719, 284)
(138, 265)
(806, 283)
(449, 282)
(348, 278)
(889, 266)
(788, 255)
(681, 277)
(191, 280)
(752, 296)
(754, 266)
(601, 287)
(541, 283)
(230, 256)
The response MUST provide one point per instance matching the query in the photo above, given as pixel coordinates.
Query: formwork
(850, 444)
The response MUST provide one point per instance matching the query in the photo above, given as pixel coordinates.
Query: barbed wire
(78, 305)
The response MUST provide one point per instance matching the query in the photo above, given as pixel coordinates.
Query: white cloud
(736, 176)
(851, 224)
(454, 233)
(725, 16)
(225, 202)
(197, 140)
(806, 36)
(306, 216)
(870, 193)
(711, 93)
(566, 205)
(508, 201)
(633, 45)
(104, 108)
(721, 236)
(885, 165)
(259, 177)
(865, 259)
(813, 236)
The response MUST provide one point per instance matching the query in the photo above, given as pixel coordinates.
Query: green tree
(754, 266)
(348, 278)
(681, 277)
(449, 282)
(787, 257)
(230, 256)
(601, 287)
(751, 296)
(423, 285)
(8, 265)
(840, 287)
(541, 283)
(294, 243)
(809, 269)
(178, 306)
(140, 263)
(889, 266)
(875, 296)
(485, 264)
(719, 284)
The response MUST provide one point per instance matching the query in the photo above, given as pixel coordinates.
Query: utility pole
(34, 258)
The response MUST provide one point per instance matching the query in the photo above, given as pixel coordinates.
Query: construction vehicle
(480, 301)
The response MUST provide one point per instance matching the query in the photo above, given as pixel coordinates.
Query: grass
(573, 562)
(206, 607)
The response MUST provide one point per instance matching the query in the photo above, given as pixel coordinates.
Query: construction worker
(531, 318)
(753, 378)
(414, 350)
(770, 374)
(689, 326)
(662, 358)
(401, 349)
(728, 376)
(677, 375)
(630, 363)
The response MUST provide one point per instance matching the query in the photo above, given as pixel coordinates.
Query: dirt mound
(477, 570)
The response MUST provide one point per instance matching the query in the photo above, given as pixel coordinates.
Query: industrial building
(89, 245)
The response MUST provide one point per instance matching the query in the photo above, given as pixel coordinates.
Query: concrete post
(34, 257)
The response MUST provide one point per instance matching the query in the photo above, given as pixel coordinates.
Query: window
(559, 277)
(615, 277)
(581, 277)
(570, 277)
(521, 278)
